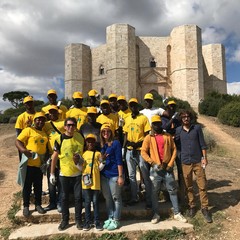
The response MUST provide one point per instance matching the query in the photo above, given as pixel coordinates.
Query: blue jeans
(112, 194)
(67, 183)
(134, 160)
(91, 196)
(157, 177)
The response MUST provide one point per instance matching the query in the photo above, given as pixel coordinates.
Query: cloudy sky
(33, 34)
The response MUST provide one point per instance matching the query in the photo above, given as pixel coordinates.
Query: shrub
(230, 114)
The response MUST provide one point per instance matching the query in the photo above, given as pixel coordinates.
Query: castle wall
(187, 64)
(215, 76)
(77, 69)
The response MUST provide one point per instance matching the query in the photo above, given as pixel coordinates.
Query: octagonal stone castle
(177, 65)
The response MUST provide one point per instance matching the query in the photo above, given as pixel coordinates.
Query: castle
(177, 65)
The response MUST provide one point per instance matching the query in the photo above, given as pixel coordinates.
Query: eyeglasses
(70, 125)
(187, 116)
(106, 131)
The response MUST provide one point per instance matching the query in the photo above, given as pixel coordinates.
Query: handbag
(87, 178)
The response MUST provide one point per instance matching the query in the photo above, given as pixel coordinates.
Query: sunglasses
(106, 131)
(70, 125)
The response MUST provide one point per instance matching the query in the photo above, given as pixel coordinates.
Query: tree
(15, 97)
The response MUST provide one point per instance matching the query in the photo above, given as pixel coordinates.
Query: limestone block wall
(77, 69)
(215, 68)
(186, 64)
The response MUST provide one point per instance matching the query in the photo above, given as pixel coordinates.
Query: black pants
(34, 177)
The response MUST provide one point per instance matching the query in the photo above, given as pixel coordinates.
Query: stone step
(45, 231)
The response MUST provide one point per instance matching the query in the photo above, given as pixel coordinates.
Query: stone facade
(177, 65)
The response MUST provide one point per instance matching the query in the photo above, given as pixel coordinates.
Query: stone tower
(176, 65)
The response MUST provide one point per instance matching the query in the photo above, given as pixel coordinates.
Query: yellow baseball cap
(51, 91)
(104, 102)
(171, 102)
(53, 107)
(112, 95)
(156, 118)
(92, 110)
(28, 99)
(92, 93)
(121, 98)
(148, 96)
(77, 95)
(133, 100)
(106, 126)
(38, 115)
(90, 135)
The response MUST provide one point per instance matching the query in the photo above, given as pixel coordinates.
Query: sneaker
(40, 210)
(98, 226)
(50, 207)
(86, 227)
(192, 212)
(207, 215)
(63, 225)
(179, 217)
(26, 212)
(155, 219)
(107, 223)
(79, 225)
(114, 224)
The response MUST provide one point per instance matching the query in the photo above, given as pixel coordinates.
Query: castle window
(102, 91)
(152, 62)
(101, 70)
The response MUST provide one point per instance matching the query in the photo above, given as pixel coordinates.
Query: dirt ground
(222, 172)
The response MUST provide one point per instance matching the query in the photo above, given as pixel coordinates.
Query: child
(91, 182)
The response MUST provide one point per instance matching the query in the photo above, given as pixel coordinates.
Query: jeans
(188, 171)
(134, 160)
(67, 183)
(157, 177)
(34, 177)
(91, 196)
(112, 193)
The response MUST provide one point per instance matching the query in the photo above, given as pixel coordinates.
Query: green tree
(15, 97)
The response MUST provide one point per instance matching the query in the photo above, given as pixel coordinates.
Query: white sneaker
(179, 217)
(155, 219)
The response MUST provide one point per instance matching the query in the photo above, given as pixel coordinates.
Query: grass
(15, 207)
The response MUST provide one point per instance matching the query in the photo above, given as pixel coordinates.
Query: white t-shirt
(151, 112)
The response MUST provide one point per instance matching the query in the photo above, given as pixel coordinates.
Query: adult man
(159, 150)
(26, 118)
(91, 126)
(52, 98)
(193, 154)
(78, 111)
(68, 149)
(149, 110)
(93, 100)
(32, 143)
(53, 128)
(135, 129)
(108, 117)
(112, 98)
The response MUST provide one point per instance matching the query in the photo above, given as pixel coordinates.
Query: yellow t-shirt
(68, 148)
(22, 120)
(135, 128)
(52, 133)
(80, 114)
(35, 141)
(62, 111)
(88, 155)
(124, 114)
(110, 118)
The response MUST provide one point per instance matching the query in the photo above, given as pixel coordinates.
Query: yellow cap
(148, 96)
(38, 115)
(133, 100)
(171, 102)
(90, 135)
(156, 118)
(28, 99)
(53, 107)
(112, 95)
(92, 93)
(77, 95)
(51, 91)
(92, 110)
(104, 102)
(106, 126)
(121, 98)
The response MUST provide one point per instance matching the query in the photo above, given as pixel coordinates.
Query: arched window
(152, 62)
(101, 70)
